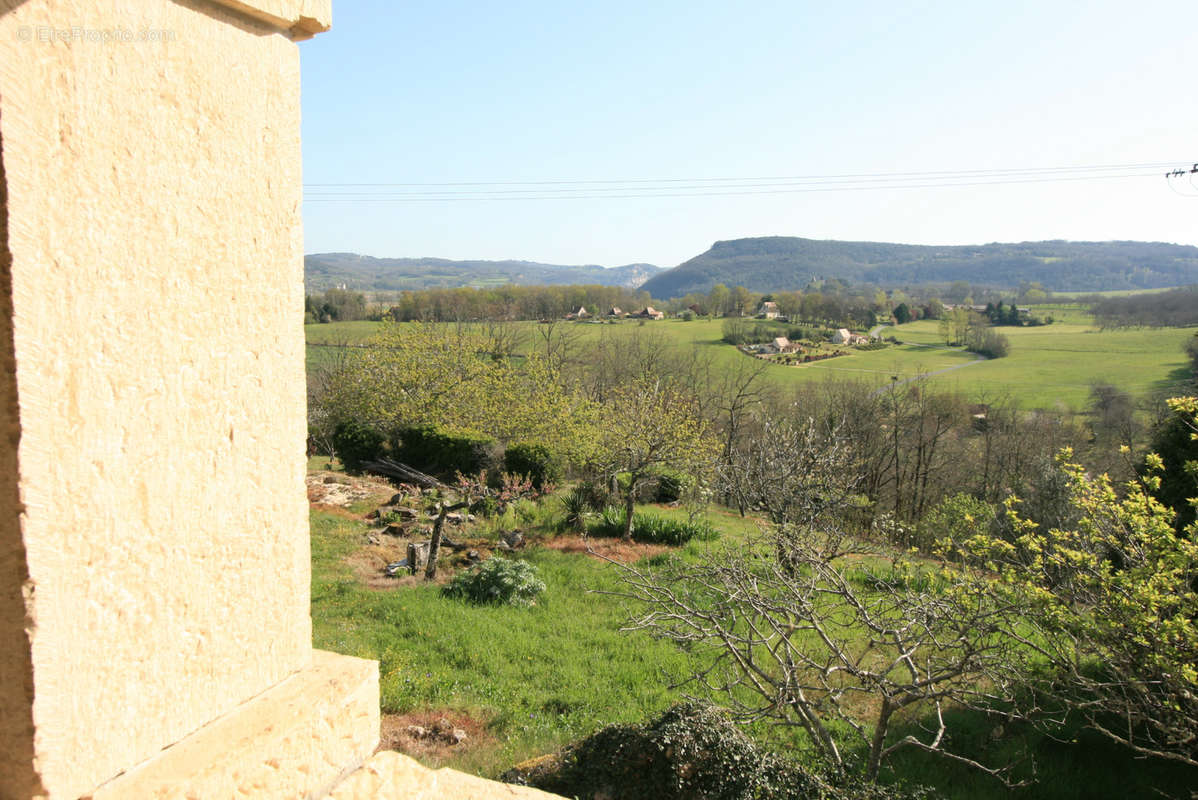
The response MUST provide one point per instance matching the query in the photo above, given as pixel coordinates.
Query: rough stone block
(295, 740)
(391, 776)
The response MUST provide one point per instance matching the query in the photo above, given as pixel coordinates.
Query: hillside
(366, 273)
(783, 262)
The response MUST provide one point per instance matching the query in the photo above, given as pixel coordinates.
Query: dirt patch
(336, 511)
(369, 561)
(340, 490)
(379, 550)
(399, 734)
(614, 549)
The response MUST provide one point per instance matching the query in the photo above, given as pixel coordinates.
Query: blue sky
(510, 93)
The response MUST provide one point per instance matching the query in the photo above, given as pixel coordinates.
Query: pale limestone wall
(153, 200)
(391, 776)
(295, 740)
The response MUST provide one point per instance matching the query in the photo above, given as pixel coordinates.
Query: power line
(627, 192)
(862, 175)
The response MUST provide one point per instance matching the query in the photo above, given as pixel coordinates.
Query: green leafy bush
(355, 444)
(987, 342)
(485, 507)
(691, 750)
(651, 528)
(498, 581)
(955, 518)
(444, 453)
(534, 461)
(669, 486)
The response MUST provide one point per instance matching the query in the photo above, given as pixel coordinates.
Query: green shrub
(956, 518)
(499, 581)
(650, 528)
(442, 452)
(534, 461)
(575, 505)
(355, 444)
(692, 750)
(987, 342)
(485, 507)
(669, 486)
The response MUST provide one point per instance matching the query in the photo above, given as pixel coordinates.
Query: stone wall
(154, 565)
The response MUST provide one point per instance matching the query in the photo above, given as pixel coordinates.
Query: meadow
(1052, 366)
(534, 679)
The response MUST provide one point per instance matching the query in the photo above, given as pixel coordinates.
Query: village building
(768, 310)
(845, 336)
(648, 312)
(579, 313)
(783, 345)
(615, 312)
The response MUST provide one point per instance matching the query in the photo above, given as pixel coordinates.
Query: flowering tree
(647, 425)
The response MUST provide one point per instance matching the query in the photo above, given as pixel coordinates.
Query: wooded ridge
(366, 273)
(776, 263)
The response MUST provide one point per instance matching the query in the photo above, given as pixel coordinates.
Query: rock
(329, 479)
(443, 727)
(393, 569)
(473, 556)
(416, 732)
(512, 539)
(373, 539)
(453, 518)
(470, 518)
(394, 530)
(403, 512)
(458, 736)
(450, 543)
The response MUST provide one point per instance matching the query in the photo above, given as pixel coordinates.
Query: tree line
(1175, 308)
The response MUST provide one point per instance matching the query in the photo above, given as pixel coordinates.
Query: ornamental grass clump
(498, 581)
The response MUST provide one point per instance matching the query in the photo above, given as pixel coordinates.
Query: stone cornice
(302, 19)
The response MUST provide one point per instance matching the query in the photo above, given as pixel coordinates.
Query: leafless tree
(806, 626)
(557, 341)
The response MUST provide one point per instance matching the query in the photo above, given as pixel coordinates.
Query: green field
(534, 679)
(1055, 365)
(1050, 366)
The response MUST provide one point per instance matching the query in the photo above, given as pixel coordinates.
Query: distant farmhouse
(769, 310)
(783, 345)
(844, 336)
(615, 312)
(648, 312)
(580, 313)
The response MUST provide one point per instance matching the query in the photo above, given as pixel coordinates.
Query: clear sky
(503, 94)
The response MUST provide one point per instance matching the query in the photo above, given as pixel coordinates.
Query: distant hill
(365, 273)
(776, 263)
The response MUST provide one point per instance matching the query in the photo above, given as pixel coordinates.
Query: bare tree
(806, 626)
(557, 341)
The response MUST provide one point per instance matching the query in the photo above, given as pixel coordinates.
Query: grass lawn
(536, 678)
(1055, 365)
